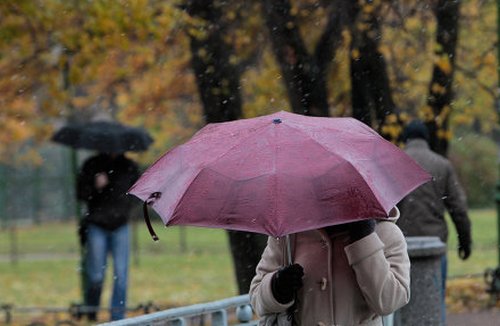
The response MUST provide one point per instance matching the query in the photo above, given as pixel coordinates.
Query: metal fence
(32, 193)
(230, 311)
(235, 311)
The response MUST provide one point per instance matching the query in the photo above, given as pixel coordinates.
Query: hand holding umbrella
(286, 282)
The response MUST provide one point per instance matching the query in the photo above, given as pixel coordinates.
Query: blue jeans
(100, 242)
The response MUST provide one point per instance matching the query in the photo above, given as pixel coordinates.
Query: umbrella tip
(277, 121)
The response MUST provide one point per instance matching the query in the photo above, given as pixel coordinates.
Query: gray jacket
(422, 211)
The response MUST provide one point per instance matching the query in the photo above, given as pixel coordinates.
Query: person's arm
(129, 173)
(261, 294)
(382, 267)
(85, 181)
(456, 203)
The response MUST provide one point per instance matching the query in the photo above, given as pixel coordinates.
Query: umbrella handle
(288, 250)
(150, 200)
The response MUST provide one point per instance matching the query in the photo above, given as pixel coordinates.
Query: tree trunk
(304, 74)
(440, 89)
(219, 87)
(371, 93)
(217, 79)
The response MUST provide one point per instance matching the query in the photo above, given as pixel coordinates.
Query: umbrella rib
(335, 129)
(345, 158)
(222, 154)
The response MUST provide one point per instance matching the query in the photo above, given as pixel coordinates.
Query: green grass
(47, 270)
(484, 250)
(161, 272)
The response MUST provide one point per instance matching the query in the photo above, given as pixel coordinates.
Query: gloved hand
(360, 229)
(464, 246)
(286, 282)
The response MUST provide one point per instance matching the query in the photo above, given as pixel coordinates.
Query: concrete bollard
(424, 307)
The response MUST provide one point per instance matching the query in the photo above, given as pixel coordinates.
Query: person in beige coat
(350, 274)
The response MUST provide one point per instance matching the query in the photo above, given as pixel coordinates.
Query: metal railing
(216, 310)
(219, 312)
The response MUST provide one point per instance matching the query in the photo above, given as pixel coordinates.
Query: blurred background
(170, 67)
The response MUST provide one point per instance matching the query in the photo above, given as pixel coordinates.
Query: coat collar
(417, 143)
(392, 217)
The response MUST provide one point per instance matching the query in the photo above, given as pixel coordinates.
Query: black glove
(464, 246)
(286, 282)
(360, 229)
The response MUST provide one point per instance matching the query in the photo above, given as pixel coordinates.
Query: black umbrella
(103, 136)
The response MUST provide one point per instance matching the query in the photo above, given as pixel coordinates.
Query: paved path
(480, 318)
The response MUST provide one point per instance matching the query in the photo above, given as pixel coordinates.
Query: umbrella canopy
(279, 174)
(103, 136)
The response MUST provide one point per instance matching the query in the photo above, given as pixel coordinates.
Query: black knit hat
(415, 129)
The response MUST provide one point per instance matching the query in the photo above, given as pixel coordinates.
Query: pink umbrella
(279, 174)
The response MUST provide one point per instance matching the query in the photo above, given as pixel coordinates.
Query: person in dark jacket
(422, 211)
(102, 183)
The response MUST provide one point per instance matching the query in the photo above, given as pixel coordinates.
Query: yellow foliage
(81, 101)
(368, 8)
(404, 118)
(391, 119)
(231, 15)
(426, 113)
(463, 119)
(197, 33)
(346, 37)
(263, 89)
(15, 130)
(233, 59)
(355, 54)
(443, 115)
(384, 50)
(138, 52)
(413, 23)
(202, 53)
(392, 131)
(438, 89)
(362, 27)
(210, 70)
(444, 134)
(466, 294)
(438, 48)
(489, 59)
(444, 64)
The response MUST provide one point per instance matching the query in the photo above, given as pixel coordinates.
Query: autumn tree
(218, 75)
(440, 97)
(371, 93)
(304, 72)
(307, 72)
(71, 60)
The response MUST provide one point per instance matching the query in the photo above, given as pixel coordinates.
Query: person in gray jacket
(422, 211)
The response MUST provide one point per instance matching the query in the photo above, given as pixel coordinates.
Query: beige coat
(344, 284)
